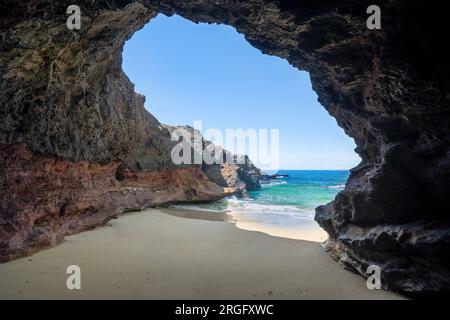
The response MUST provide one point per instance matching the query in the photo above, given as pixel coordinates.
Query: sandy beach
(156, 255)
(304, 229)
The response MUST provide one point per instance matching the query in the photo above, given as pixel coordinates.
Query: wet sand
(303, 229)
(155, 255)
(307, 230)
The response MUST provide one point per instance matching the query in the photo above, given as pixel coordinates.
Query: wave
(337, 187)
(234, 205)
(273, 184)
(249, 206)
(288, 221)
(292, 211)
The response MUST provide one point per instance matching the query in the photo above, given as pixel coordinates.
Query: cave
(65, 131)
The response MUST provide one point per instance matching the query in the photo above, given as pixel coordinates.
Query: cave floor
(154, 255)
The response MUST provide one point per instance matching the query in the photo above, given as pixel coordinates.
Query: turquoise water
(302, 189)
(285, 207)
(285, 199)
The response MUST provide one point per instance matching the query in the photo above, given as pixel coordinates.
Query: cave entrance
(207, 72)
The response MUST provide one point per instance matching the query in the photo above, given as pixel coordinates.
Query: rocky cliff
(64, 97)
(242, 175)
(77, 145)
(44, 198)
(235, 172)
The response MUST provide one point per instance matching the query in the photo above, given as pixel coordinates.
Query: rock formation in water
(65, 100)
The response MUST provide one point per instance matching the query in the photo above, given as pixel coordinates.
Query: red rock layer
(44, 198)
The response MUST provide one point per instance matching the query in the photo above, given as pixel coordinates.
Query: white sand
(307, 230)
(154, 255)
(298, 229)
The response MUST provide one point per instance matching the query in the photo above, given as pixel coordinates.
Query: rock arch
(65, 102)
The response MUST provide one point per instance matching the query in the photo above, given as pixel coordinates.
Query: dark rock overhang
(63, 93)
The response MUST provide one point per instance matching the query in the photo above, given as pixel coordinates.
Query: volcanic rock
(65, 100)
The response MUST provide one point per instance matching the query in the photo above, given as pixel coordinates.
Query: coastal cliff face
(235, 172)
(64, 96)
(44, 198)
(242, 177)
(77, 146)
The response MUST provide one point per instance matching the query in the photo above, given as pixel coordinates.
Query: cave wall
(77, 147)
(54, 100)
(44, 198)
(389, 90)
(63, 94)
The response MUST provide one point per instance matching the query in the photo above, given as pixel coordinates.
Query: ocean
(285, 206)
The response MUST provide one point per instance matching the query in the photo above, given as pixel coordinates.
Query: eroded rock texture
(63, 93)
(242, 175)
(45, 198)
(77, 146)
(236, 172)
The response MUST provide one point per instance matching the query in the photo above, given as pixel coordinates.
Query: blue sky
(191, 72)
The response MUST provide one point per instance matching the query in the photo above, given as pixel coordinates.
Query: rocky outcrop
(236, 172)
(44, 198)
(77, 146)
(242, 175)
(63, 94)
